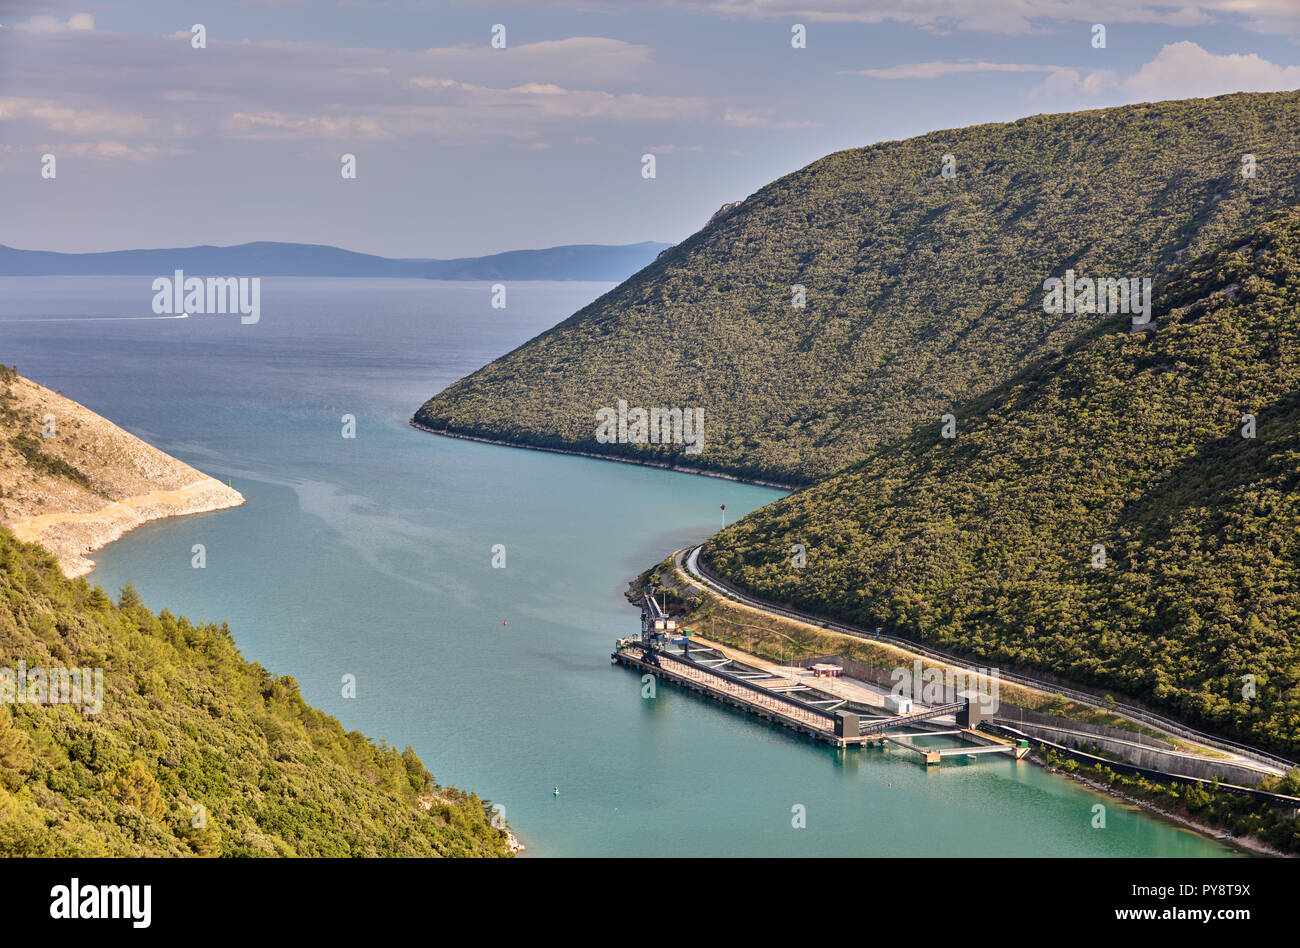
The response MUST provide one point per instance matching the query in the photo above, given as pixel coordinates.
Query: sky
(464, 149)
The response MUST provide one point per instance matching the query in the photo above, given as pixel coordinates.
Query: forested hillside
(195, 750)
(1124, 512)
(922, 291)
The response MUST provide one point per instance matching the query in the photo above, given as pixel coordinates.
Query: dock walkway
(749, 696)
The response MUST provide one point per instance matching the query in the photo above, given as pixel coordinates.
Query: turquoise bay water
(372, 557)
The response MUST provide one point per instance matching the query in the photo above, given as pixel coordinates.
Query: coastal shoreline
(1253, 846)
(73, 482)
(720, 475)
(70, 535)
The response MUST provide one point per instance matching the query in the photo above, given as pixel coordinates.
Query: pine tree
(129, 598)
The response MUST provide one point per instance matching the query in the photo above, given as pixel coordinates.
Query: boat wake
(64, 319)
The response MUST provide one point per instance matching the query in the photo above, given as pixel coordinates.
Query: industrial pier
(668, 653)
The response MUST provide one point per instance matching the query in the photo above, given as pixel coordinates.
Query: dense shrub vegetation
(987, 544)
(186, 723)
(29, 449)
(922, 292)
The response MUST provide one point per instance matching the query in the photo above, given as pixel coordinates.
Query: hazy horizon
(311, 243)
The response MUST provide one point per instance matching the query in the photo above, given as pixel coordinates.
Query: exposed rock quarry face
(74, 482)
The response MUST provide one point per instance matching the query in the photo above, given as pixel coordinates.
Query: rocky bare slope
(74, 482)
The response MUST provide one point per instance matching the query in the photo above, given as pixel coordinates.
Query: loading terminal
(667, 652)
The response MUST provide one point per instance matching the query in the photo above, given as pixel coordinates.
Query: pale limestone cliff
(74, 482)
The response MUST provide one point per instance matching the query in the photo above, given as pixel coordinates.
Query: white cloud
(682, 149)
(746, 118)
(276, 90)
(551, 101)
(1179, 71)
(1067, 81)
(77, 23)
(108, 149)
(273, 124)
(50, 115)
(589, 60)
(438, 82)
(935, 70)
(1060, 79)
(1009, 17)
(1185, 70)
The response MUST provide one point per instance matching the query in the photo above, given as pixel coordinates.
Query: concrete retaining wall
(1016, 715)
(1204, 768)
(1132, 770)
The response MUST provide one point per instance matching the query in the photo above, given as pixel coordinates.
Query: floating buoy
(505, 622)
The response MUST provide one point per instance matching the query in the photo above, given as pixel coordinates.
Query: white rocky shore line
(71, 535)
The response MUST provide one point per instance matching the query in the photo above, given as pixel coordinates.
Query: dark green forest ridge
(984, 544)
(921, 292)
(187, 722)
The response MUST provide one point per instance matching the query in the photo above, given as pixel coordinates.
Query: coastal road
(687, 562)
